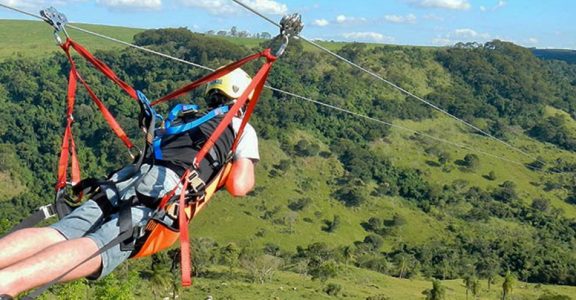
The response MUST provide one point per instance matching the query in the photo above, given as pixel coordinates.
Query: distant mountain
(568, 56)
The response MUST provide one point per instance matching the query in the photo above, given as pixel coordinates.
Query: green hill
(557, 54)
(36, 39)
(364, 209)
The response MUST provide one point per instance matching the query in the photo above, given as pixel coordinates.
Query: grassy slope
(35, 38)
(239, 220)
(357, 284)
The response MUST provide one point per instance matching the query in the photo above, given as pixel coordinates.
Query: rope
(406, 92)
(305, 98)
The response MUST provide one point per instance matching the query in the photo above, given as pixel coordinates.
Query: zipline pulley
(57, 20)
(290, 26)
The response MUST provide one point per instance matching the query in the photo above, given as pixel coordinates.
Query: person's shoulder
(236, 122)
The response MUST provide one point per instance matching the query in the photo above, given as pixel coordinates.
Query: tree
(159, 274)
(233, 31)
(472, 285)
(333, 289)
(265, 35)
(471, 162)
(506, 192)
(541, 204)
(75, 290)
(160, 279)
(261, 268)
(324, 270)
(437, 292)
(229, 255)
(112, 288)
(491, 176)
(243, 34)
(443, 158)
(352, 194)
(331, 226)
(203, 254)
(507, 285)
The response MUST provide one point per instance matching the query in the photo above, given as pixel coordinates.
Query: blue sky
(530, 23)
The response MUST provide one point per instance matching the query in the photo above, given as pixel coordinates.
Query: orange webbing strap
(256, 85)
(185, 264)
(210, 77)
(101, 66)
(68, 146)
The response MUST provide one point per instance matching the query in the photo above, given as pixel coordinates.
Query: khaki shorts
(88, 220)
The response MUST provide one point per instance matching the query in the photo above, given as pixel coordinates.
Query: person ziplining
(146, 206)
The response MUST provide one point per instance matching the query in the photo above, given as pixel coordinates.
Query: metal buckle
(48, 210)
(196, 184)
(172, 210)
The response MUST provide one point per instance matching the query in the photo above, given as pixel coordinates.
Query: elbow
(239, 189)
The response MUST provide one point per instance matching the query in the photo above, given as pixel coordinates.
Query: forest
(491, 228)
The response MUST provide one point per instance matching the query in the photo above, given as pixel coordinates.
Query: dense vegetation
(489, 231)
(556, 54)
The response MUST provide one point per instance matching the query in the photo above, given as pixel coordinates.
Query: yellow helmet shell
(232, 84)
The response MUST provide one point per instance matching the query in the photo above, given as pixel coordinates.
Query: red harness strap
(68, 146)
(256, 85)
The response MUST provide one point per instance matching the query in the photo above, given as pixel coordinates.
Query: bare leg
(49, 264)
(24, 243)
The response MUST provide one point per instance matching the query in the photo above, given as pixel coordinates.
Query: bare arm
(241, 178)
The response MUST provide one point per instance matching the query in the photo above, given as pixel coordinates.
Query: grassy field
(357, 284)
(35, 38)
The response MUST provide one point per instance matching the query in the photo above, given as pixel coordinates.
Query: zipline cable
(393, 85)
(138, 47)
(399, 127)
(285, 92)
(23, 12)
(302, 97)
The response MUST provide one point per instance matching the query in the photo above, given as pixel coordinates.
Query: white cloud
(442, 41)
(321, 22)
(225, 7)
(465, 32)
(433, 17)
(470, 34)
(368, 37)
(533, 41)
(37, 4)
(132, 4)
(400, 19)
(268, 6)
(462, 35)
(447, 4)
(342, 19)
(500, 4)
(216, 7)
